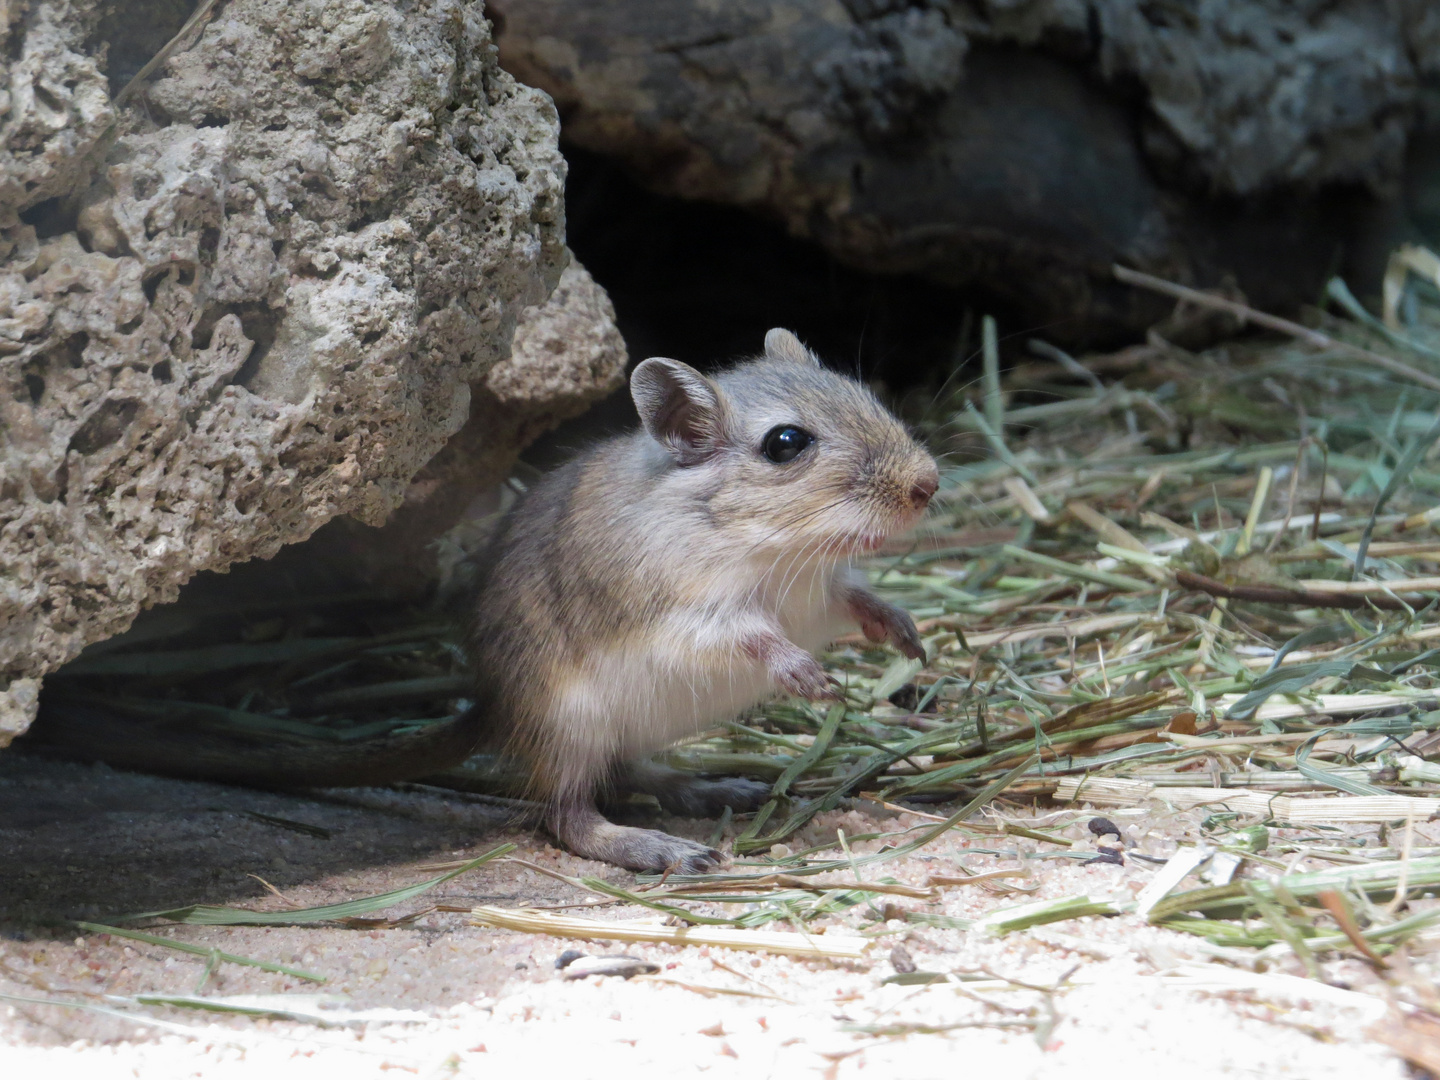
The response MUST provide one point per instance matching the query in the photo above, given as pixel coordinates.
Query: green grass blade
(207, 915)
(200, 950)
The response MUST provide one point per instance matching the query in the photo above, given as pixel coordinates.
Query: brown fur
(651, 586)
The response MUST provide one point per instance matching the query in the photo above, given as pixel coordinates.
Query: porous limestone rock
(250, 300)
(567, 354)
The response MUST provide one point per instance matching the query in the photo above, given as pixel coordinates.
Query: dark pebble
(907, 697)
(1103, 826)
(566, 958)
(900, 960)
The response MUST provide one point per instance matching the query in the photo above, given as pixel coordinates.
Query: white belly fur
(684, 677)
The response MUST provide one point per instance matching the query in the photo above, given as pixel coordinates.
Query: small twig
(1335, 903)
(273, 889)
(1398, 900)
(1274, 594)
(831, 946)
(996, 439)
(1290, 496)
(1274, 322)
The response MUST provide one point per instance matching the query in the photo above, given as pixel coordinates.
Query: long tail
(89, 732)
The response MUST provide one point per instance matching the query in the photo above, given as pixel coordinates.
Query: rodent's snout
(924, 489)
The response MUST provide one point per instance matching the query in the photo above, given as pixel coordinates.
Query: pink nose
(923, 491)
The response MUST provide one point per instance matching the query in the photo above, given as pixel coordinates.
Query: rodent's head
(785, 454)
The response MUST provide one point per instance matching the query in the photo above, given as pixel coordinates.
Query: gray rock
(253, 299)
(1022, 145)
(566, 355)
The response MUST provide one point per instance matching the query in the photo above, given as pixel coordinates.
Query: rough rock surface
(1022, 144)
(251, 300)
(567, 354)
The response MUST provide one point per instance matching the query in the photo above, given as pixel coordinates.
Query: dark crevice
(150, 284)
(703, 283)
(205, 326)
(62, 482)
(259, 324)
(52, 217)
(49, 100)
(71, 351)
(104, 427)
(15, 46)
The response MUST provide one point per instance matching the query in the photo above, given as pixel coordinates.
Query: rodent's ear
(680, 408)
(781, 344)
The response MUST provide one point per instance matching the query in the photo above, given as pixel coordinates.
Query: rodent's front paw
(805, 678)
(897, 627)
(881, 621)
(905, 637)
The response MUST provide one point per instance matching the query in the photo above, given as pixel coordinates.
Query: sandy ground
(1116, 995)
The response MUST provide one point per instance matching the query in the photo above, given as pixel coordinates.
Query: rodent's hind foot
(648, 849)
(586, 833)
(698, 797)
(686, 795)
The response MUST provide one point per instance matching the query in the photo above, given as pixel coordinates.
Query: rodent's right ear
(680, 408)
(781, 344)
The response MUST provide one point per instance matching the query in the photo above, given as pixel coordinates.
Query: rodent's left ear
(681, 409)
(781, 344)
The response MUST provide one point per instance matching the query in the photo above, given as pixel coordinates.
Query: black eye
(784, 443)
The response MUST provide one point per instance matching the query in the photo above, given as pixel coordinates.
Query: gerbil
(671, 578)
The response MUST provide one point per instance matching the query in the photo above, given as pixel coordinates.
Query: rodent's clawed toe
(649, 849)
(805, 677)
(907, 640)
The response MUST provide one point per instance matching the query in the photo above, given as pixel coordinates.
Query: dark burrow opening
(702, 283)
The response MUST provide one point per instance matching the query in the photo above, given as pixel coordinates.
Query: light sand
(88, 843)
